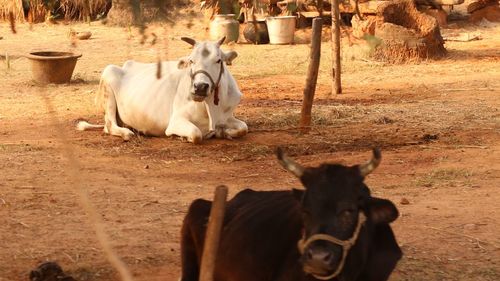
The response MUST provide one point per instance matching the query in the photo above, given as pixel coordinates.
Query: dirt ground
(437, 122)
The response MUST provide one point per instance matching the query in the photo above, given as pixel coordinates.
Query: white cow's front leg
(184, 128)
(235, 128)
(214, 118)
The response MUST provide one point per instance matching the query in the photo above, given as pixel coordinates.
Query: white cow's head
(205, 65)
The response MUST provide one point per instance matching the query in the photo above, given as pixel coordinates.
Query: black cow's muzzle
(322, 263)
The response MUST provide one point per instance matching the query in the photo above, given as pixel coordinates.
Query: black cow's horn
(287, 163)
(188, 40)
(370, 166)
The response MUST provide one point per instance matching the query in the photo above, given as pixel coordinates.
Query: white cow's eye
(219, 60)
(191, 61)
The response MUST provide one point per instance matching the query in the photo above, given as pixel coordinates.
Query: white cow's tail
(100, 99)
(83, 125)
(101, 95)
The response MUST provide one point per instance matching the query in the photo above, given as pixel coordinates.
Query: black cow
(332, 230)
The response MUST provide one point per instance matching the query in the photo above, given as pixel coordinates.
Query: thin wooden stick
(77, 181)
(312, 75)
(213, 234)
(336, 69)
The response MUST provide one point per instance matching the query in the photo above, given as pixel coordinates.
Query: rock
(470, 226)
(490, 13)
(83, 35)
(430, 137)
(475, 5)
(406, 33)
(404, 201)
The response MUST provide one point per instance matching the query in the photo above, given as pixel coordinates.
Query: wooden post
(312, 75)
(336, 69)
(212, 235)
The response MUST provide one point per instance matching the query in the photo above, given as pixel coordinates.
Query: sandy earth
(437, 122)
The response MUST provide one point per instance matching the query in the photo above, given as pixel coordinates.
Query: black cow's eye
(306, 212)
(348, 212)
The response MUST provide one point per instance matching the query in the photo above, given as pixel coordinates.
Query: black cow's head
(337, 210)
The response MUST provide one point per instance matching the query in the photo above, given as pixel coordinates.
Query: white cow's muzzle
(200, 89)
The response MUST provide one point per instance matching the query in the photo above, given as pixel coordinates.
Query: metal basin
(52, 67)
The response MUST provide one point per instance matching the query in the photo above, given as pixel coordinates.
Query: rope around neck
(346, 245)
(215, 86)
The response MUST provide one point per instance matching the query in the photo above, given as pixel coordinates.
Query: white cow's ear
(221, 41)
(183, 63)
(228, 57)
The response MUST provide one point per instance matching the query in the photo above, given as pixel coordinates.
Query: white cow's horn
(188, 40)
(370, 166)
(221, 41)
(290, 165)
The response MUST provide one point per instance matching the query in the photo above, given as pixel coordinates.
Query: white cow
(194, 98)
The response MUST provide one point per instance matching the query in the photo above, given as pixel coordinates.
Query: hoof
(209, 135)
(196, 140)
(127, 136)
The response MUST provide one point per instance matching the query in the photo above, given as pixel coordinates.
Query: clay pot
(225, 25)
(52, 67)
(256, 32)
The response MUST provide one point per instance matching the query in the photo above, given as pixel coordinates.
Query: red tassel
(216, 96)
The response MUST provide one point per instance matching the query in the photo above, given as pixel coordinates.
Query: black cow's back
(260, 231)
(258, 240)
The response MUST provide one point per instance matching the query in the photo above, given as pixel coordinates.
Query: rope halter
(215, 86)
(345, 244)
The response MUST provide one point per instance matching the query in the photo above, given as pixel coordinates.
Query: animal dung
(49, 271)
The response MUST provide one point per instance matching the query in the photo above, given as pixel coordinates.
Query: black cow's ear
(35, 275)
(298, 194)
(382, 210)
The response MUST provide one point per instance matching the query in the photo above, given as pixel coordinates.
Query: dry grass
(448, 176)
(37, 12)
(83, 9)
(11, 6)
(288, 117)
(38, 9)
